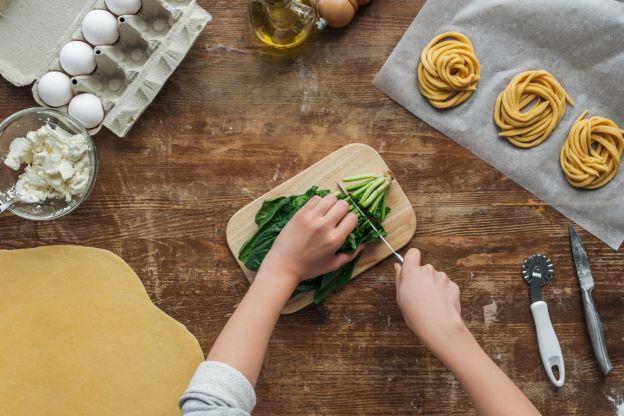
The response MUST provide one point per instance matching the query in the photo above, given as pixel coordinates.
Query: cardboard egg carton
(129, 73)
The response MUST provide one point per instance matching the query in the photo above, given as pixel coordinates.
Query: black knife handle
(596, 333)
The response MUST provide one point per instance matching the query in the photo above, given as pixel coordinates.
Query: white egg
(54, 89)
(120, 7)
(77, 58)
(99, 27)
(88, 109)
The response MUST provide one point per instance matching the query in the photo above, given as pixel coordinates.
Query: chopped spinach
(271, 218)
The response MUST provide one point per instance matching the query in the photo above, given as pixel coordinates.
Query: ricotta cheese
(58, 164)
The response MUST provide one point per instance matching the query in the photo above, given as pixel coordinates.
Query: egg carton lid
(31, 32)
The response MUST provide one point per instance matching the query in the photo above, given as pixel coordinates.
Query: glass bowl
(31, 119)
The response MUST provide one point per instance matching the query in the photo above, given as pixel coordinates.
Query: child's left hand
(308, 244)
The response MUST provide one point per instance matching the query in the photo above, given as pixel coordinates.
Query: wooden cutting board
(349, 160)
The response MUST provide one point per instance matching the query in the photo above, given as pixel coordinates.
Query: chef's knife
(398, 257)
(594, 323)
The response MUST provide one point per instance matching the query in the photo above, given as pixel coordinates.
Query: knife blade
(581, 261)
(398, 257)
(592, 317)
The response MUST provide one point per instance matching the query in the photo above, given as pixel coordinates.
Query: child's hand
(307, 245)
(429, 302)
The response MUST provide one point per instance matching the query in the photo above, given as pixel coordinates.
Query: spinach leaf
(335, 280)
(271, 218)
(299, 201)
(308, 285)
(269, 209)
(261, 244)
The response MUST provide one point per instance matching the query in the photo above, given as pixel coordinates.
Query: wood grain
(350, 160)
(236, 119)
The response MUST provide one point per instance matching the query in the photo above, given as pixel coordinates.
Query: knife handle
(549, 348)
(596, 332)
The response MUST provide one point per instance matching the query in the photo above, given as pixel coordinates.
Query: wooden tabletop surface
(235, 120)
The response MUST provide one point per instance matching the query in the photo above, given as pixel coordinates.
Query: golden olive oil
(282, 23)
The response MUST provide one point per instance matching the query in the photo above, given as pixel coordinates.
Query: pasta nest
(529, 127)
(591, 154)
(449, 70)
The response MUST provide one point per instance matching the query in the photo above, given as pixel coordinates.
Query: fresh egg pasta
(527, 127)
(590, 156)
(449, 70)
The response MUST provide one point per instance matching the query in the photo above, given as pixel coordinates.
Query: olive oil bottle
(282, 23)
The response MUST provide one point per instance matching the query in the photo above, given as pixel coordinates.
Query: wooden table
(235, 120)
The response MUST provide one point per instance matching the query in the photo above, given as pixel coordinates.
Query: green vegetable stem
(369, 190)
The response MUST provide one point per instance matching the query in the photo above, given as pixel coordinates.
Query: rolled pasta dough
(546, 101)
(449, 70)
(590, 156)
(80, 336)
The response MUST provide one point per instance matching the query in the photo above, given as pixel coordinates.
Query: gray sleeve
(217, 389)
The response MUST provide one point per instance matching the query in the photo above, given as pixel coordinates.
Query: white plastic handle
(548, 342)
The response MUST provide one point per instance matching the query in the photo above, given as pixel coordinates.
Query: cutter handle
(549, 348)
(596, 333)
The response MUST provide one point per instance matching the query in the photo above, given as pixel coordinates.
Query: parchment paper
(579, 41)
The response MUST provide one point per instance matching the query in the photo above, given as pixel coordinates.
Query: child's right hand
(308, 244)
(429, 302)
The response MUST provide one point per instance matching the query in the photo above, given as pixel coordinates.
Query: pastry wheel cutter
(537, 271)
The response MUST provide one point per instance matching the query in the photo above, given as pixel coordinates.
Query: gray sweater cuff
(219, 386)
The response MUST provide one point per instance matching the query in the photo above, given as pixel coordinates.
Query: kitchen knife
(594, 323)
(398, 257)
